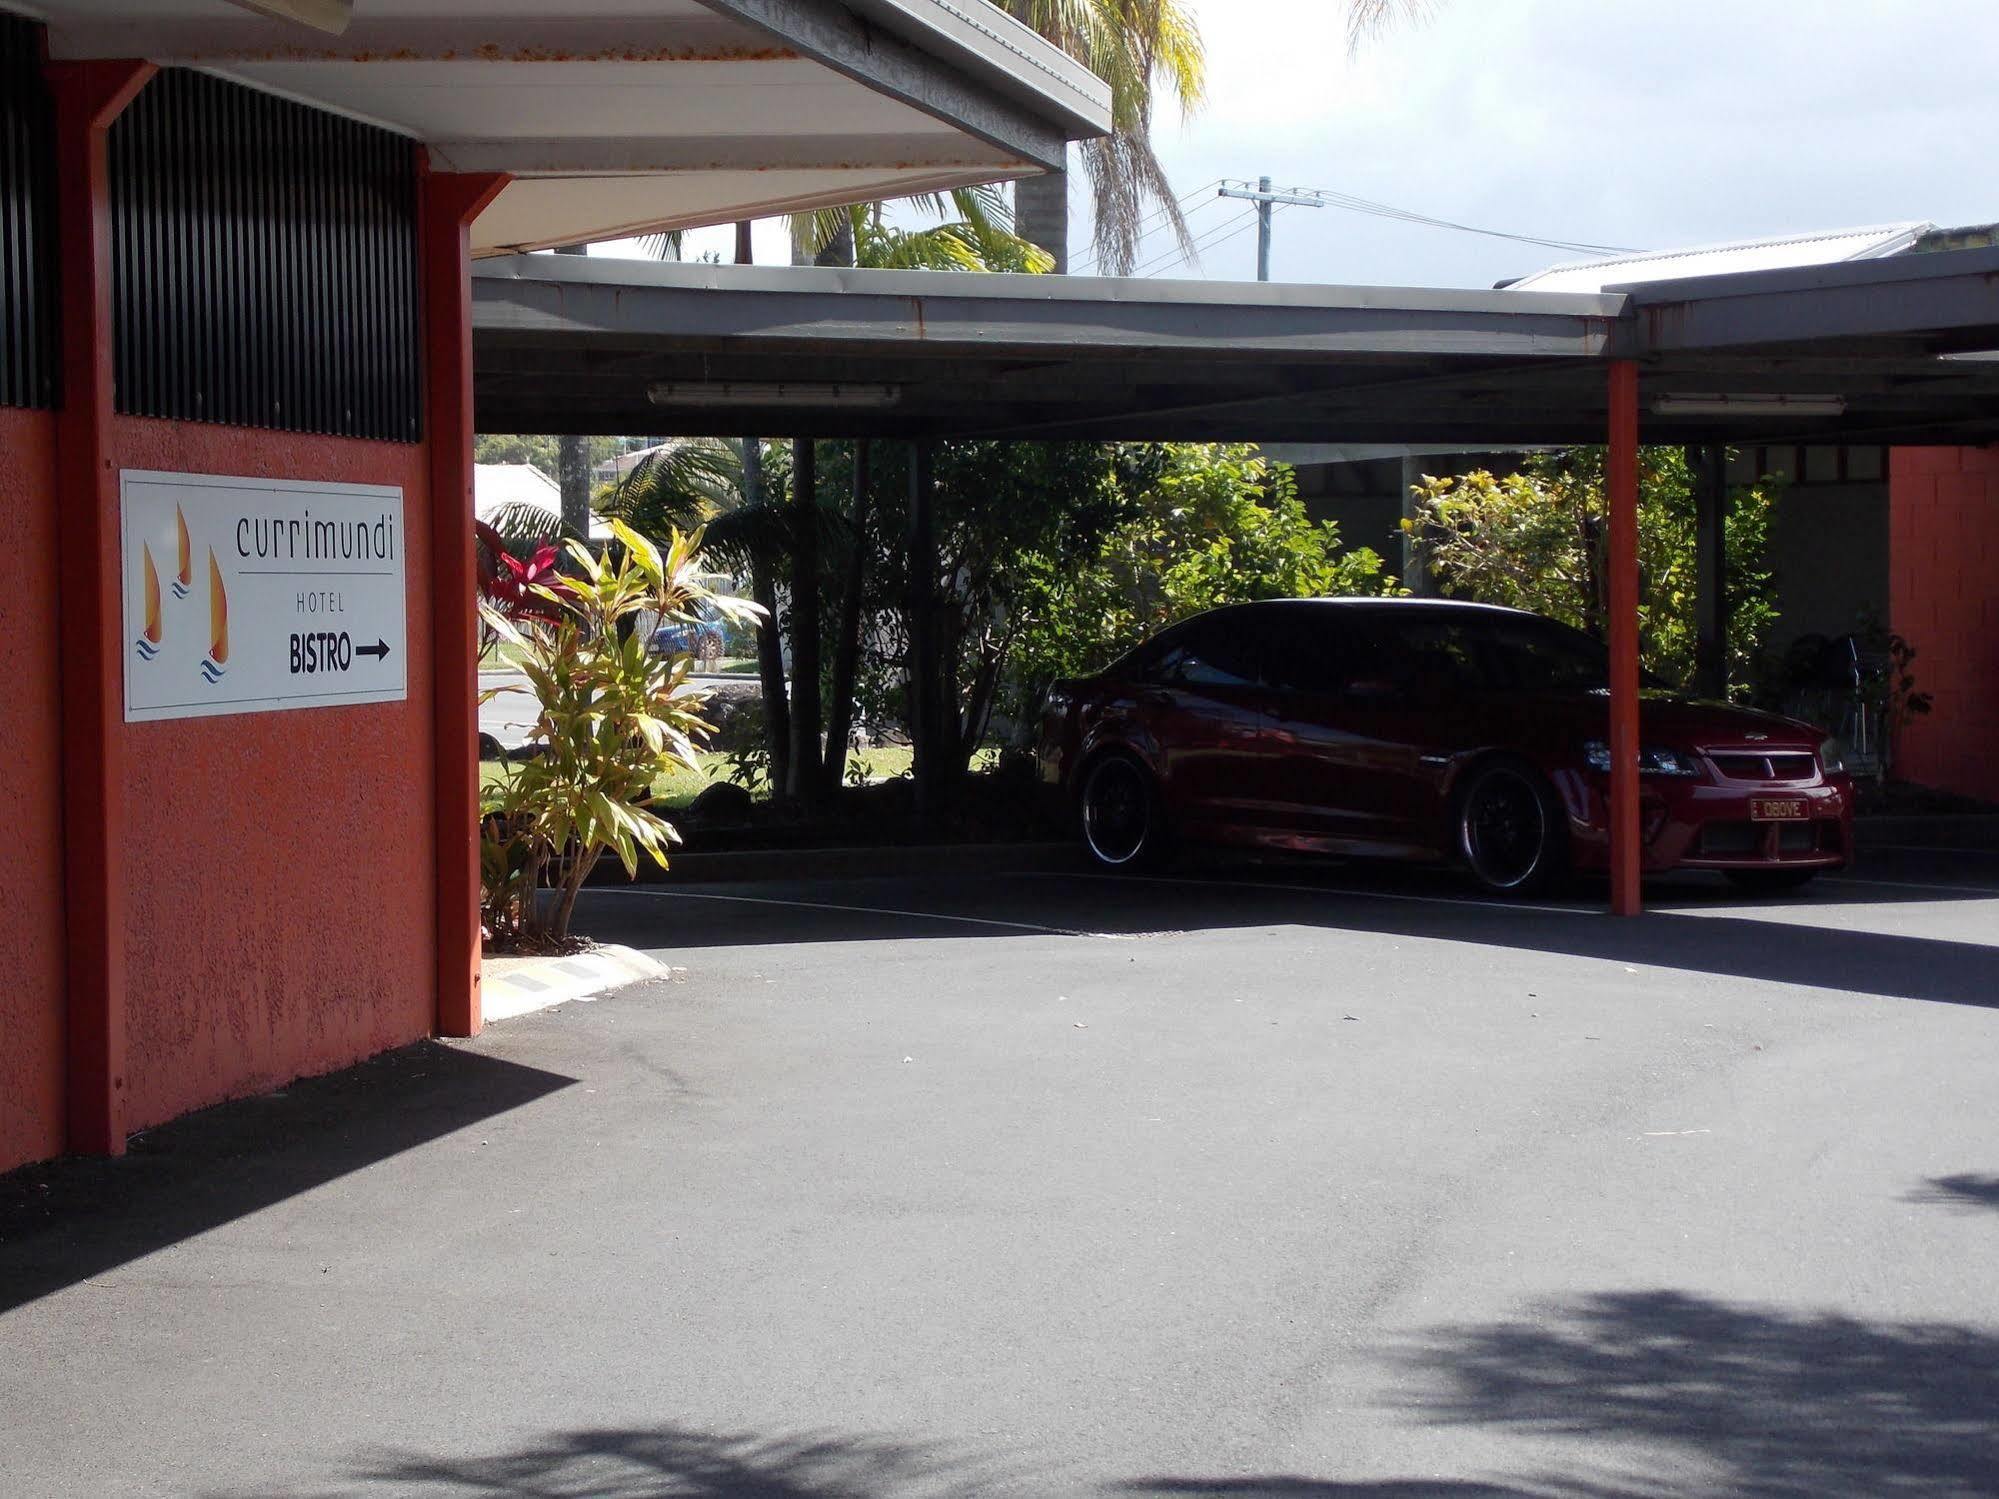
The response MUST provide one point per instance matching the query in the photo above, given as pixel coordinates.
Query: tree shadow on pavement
(678, 1462)
(1292, 1487)
(1763, 1403)
(64, 1221)
(1967, 1190)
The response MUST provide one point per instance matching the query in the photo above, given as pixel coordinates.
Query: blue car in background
(700, 638)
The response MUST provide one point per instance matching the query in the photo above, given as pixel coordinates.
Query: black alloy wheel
(1510, 831)
(1121, 817)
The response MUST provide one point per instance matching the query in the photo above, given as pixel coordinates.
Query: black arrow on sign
(378, 650)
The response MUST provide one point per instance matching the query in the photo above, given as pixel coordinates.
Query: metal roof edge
(1891, 238)
(1869, 271)
(988, 50)
(1001, 46)
(639, 275)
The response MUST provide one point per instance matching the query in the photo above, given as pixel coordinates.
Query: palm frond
(1139, 48)
(663, 244)
(523, 526)
(1368, 18)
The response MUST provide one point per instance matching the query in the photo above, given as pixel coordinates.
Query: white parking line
(1494, 905)
(828, 905)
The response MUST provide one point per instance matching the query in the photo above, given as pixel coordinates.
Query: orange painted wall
(1943, 591)
(31, 1007)
(281, 913)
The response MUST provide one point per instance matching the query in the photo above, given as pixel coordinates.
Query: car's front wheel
(1510, 830)
(1124, 825)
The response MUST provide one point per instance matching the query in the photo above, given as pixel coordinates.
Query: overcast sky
(1646, 123)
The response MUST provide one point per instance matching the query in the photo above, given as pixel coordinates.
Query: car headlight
(1832, 757)
(1652, 760)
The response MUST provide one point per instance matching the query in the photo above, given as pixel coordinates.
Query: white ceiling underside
(617, 117)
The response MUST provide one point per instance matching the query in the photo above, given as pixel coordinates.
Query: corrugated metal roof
(1823, 248)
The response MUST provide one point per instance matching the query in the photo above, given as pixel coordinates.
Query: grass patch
(678, 786)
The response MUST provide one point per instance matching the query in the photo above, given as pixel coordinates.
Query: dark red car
(1426, 730)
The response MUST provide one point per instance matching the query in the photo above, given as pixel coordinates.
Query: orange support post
(1621, 498)
(88, 97)
(450, 203)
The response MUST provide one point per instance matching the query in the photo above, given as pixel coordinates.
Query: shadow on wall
(68, 1220)
(1748, 1401)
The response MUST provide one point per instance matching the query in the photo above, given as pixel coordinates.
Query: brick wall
(1943, 593)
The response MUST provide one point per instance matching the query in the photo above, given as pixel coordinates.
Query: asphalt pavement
(1275, 1183)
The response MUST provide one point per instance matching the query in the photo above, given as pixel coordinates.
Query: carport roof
(617, 117)
(1886, 350)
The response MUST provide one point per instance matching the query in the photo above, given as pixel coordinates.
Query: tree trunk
(920, 610)
(847, 642)
(839, 250)
(572, 462)
(1041, 215)
(807, 764)
(770, 633)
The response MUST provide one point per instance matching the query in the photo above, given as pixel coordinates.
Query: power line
(1159, 218)
(1332, 198)
(1237, 226)
(1174, 254)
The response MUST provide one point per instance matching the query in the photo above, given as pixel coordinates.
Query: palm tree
(1138, 47)
(981, 236)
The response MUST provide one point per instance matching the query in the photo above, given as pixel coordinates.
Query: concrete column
(88, 97)
(450, 202)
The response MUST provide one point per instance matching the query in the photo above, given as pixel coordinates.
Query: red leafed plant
(515, 587)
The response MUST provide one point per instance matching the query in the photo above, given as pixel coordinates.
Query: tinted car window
(1427, 656)
(1542, 656)
(1308, 650)
(1214, 651)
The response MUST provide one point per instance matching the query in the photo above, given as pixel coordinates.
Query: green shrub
(612, 716)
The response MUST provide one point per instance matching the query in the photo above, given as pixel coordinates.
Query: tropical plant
(1535, 540)
(980, 237)
(1207, 524)
(611, 717)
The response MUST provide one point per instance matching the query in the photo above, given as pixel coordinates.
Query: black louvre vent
(28, 349)
(263, 263)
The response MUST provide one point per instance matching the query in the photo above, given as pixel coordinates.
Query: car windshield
(1447, 652)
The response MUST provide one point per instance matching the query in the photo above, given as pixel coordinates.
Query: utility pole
(1263, 198)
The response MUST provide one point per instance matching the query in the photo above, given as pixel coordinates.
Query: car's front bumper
(1697, 823)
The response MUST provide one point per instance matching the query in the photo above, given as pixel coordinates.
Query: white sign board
(257, 595)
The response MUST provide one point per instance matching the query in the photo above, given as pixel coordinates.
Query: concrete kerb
(520, 986)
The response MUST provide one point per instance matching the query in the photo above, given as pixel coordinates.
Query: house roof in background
(1822, 248)
(497, 486)
(620, 117)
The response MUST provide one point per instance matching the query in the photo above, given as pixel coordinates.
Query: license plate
(1778, 809)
